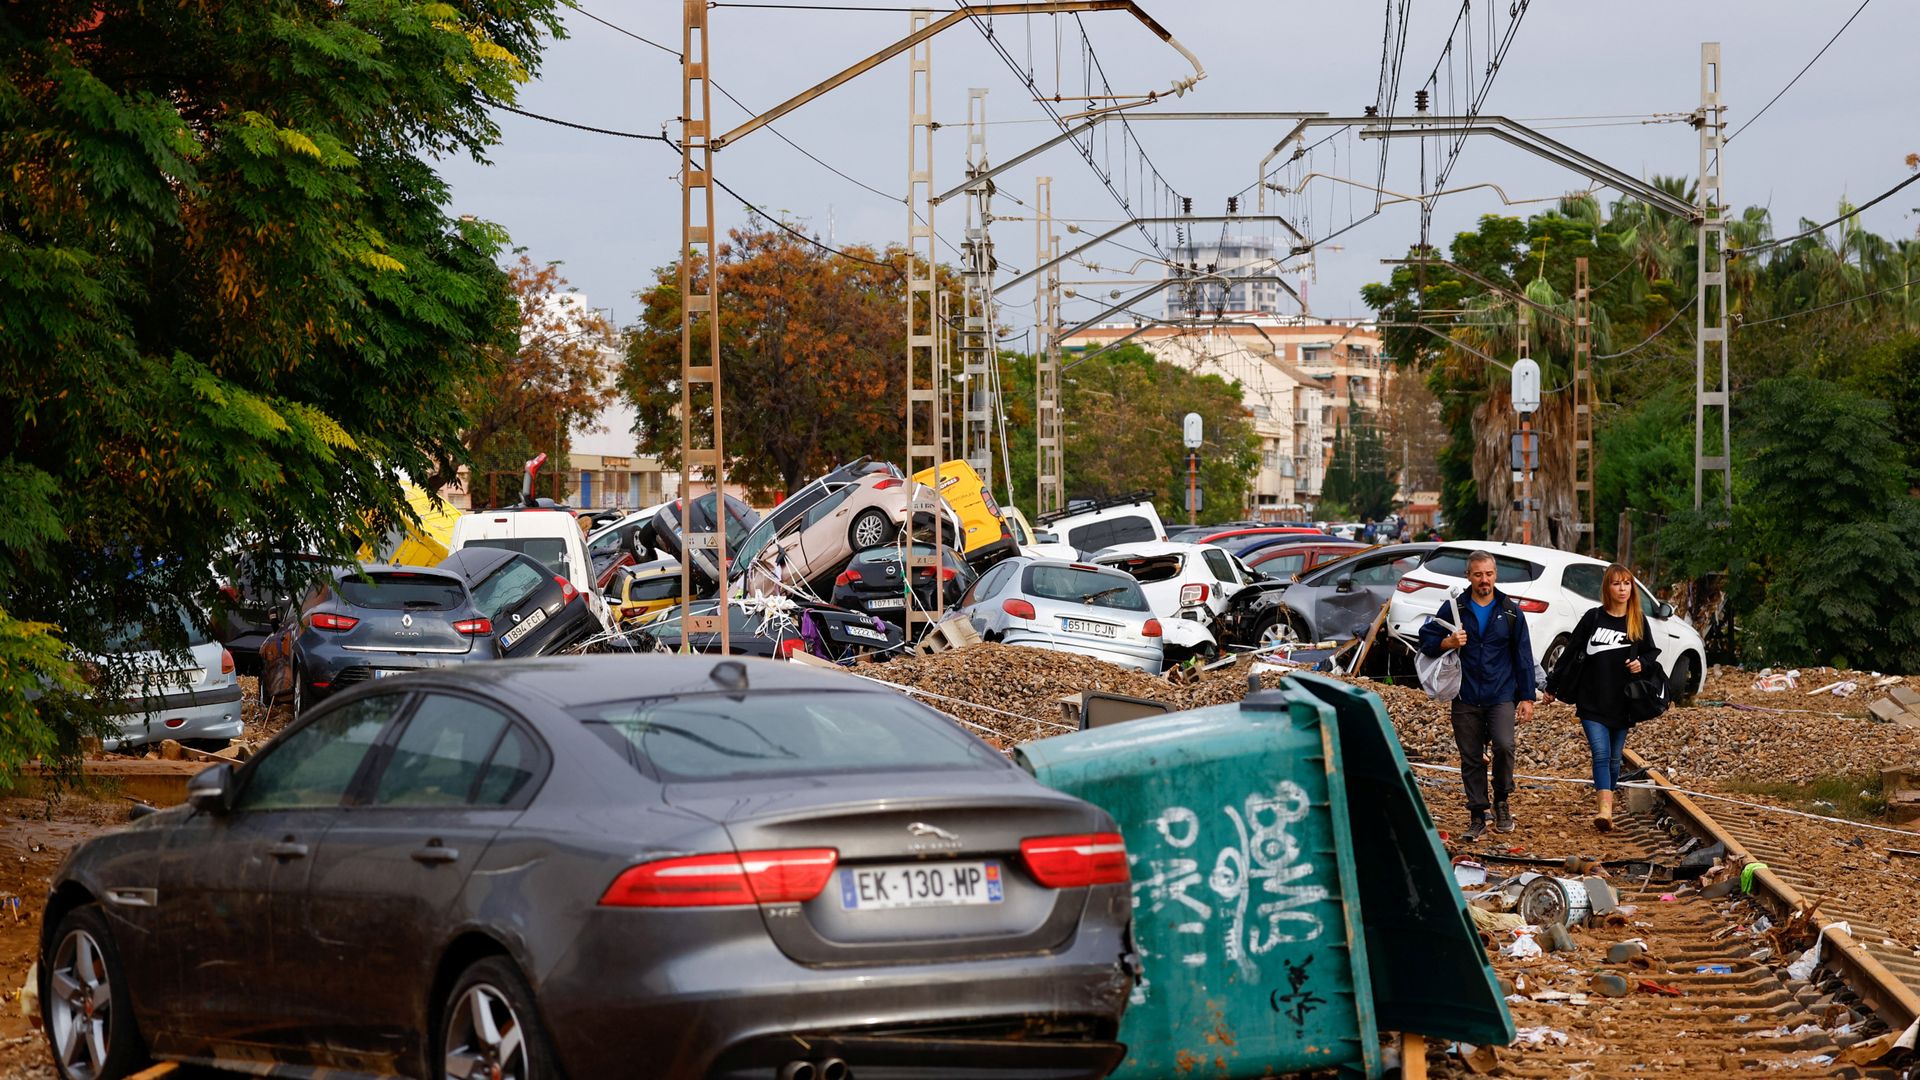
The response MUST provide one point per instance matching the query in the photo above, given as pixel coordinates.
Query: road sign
(1193, 431)
(1526, 386)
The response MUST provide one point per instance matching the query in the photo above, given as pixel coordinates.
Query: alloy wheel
(80, 1009)
(1279, 632)
(870, 531)
(484, 1039)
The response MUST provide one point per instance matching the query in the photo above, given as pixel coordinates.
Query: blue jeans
(1605, 743)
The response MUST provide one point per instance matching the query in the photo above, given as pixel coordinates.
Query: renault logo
(406, 620)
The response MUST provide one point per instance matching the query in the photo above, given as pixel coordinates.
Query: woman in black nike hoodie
(1603, 654)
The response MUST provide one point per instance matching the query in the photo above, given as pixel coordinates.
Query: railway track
(1718, 1004)
(1886, 976)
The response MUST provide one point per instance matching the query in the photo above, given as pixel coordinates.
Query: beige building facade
(1299, 380)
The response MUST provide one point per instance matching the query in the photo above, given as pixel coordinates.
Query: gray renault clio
(601, 866)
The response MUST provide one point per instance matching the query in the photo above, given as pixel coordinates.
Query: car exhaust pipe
(834, 1069)
(797, 1069)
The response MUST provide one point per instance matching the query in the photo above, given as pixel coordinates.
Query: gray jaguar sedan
(596, 867)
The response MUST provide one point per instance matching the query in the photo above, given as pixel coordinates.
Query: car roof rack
(1077, 507)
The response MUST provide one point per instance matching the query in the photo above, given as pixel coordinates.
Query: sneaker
(1477, 829)
(1502, 817)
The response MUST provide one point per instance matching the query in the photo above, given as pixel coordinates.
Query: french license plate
(914, 885)
(381, 673)
(1087, 626)
(513, 636)
(886, 603)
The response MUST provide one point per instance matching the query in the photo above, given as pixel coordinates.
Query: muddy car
(655, 866)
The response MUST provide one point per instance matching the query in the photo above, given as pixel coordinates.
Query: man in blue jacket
(1496, 688)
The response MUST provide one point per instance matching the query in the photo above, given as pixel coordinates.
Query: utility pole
(979, 379)
(1583, 464)
(698, 142)
(924, 388)
(1713, 396)
(1049, 457)
(699, 365)
(1526, 399)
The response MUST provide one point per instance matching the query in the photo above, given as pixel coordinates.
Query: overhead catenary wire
(1838, 303)
(744, 107)
(722, 185)
(1855, 212)
(1802, 71)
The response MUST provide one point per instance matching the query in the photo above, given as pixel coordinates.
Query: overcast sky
(608, 208)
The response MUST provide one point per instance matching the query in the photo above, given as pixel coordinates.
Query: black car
(369, 622)
(601, 867)
(534, 611)
(755, 630)
(875, 582)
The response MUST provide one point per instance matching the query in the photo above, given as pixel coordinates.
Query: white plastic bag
(1809, 961)
(1440, 675)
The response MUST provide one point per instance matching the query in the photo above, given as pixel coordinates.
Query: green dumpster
(1248, 895)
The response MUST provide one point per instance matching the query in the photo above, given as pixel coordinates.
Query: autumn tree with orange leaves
(530, 400)
(812, 351)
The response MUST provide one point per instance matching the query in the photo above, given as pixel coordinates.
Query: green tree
(1123, 420)
(1360, 483)
(559, 375)
(1821, 537)
(233, 307)
(813, 350)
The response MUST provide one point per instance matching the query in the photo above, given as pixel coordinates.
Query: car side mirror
(1664, 611)
(1344, 583)
(210, 789)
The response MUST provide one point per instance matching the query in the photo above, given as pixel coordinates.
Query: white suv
(1089, 525)
(1553, 588)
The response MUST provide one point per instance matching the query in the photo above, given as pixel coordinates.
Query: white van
(551, 536)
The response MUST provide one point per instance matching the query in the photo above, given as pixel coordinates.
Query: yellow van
(986, 535)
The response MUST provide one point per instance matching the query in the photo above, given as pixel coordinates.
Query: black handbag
(1647, 691)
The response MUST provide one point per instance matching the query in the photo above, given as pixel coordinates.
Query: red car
(1282, 561)
(1265, 530)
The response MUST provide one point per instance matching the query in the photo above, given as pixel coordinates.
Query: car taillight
(793, 875)
(847, 577)
(791, 646)
(1412, 585)
(992, 507)
(1069, 862)
(323, 620)
(889, 482)
(474, 626)
(1193, 594)
(1019, 609)
(1531, 607)
(226, 662)
(1151, 629)
(567, 591)
(948, 573)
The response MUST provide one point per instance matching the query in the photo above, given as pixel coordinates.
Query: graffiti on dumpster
(1298, 1001)
(1261, 867)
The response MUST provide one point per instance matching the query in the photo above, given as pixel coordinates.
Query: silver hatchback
(1069, 606)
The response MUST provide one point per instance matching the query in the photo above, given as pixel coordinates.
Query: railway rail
(1708, 997)
(1886, 977)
